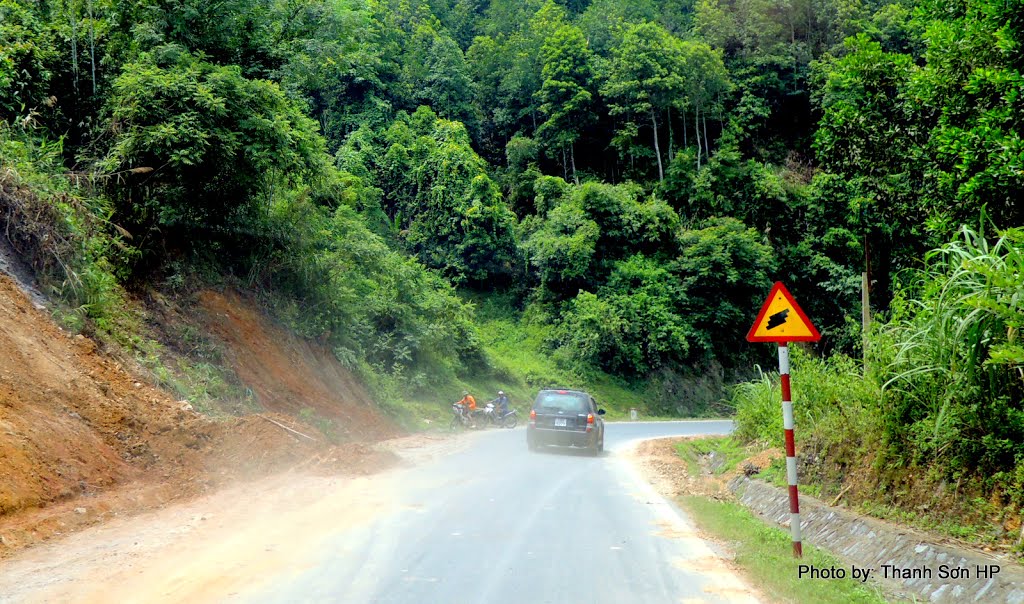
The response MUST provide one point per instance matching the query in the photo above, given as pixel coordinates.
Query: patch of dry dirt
(84, 439)
(289, 374)
(196, 551)
(662, 467)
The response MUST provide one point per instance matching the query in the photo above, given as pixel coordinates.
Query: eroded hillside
(83, 437)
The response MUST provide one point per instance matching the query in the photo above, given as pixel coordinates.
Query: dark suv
(567, 418)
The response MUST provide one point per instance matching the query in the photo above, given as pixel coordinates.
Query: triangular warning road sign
(782, 320)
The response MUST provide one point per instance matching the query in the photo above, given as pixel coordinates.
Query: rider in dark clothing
(501, 403)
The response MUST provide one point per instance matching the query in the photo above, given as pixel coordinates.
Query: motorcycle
(507, 419)
(464, 418)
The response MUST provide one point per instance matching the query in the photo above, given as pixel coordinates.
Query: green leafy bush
(337, 280)
(436, 191)
(64, 229)
(27, 56)
(951, 361)
(832, 402)
(196, 145)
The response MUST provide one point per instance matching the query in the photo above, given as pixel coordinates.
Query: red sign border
(779, 287)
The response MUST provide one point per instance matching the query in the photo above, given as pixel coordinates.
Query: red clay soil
(82, 438)
(290, 375)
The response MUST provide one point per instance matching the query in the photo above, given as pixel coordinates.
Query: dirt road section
(205, 549)
(83, 439)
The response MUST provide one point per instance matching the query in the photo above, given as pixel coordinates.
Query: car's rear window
(555, 401)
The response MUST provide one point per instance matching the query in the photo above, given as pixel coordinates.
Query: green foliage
(972, 80)
(650, 72)
(195, 144)
(27, 56)
(562, 249)
(436, 190)
(831, 401)
(564, 97)
(649, 313)
(331, 55)
(724, 270)
(64, 229)
(337, 280)
(604, 20)
(627, 333)
(448, 87)
(644, 77)
(585, 229)
(951, 359)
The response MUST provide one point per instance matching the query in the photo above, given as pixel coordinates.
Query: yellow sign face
(782, 320)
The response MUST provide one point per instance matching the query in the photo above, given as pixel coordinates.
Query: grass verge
(765, 554)
(728, 453)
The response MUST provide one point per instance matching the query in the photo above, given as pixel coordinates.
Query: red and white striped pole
(787, 424)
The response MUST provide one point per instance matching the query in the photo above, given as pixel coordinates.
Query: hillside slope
(78, 429)
(288, 374)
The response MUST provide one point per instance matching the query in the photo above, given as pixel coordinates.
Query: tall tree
(448, 87)
(706, 80)
(565, 99)
(645, 77)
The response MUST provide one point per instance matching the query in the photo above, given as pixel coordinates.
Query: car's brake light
(563, 392)
(590, 422)
(533, 414)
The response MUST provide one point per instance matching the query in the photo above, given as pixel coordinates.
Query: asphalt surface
(499, 524)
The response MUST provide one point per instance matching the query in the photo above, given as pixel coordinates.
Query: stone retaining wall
(870, 544)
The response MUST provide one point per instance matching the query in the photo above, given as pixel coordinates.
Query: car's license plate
(559, 422)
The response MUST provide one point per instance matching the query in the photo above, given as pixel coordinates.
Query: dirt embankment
(668, 472)
(83, 438)
(290, 375)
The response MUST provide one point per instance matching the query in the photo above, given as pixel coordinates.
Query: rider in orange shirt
(468, 404)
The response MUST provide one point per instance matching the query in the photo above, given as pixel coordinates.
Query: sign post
(782, 320)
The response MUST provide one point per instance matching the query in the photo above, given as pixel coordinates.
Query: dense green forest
(623, 178)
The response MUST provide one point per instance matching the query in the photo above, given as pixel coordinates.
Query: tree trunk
(707, 145)
(92, 47)
(686, 142)
(74, 44)
(668, 118)
(572, 157)
(565, 174)
(657, 150)
(696, 130)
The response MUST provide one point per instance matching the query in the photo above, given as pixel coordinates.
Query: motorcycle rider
(501, 404)
(467, 405)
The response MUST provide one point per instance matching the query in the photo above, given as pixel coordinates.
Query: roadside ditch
(905, 564)
(928, 570)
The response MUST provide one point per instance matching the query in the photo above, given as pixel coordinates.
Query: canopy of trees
(636, 171)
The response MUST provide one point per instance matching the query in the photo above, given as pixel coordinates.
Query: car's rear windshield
(568, 402)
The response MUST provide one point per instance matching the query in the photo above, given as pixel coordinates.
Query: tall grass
(945, 387)
(830, 399)
(951, 362)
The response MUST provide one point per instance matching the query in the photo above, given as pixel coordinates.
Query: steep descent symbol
(777, 319)
(782, 320)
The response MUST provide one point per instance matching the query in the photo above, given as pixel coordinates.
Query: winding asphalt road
(497, 524)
